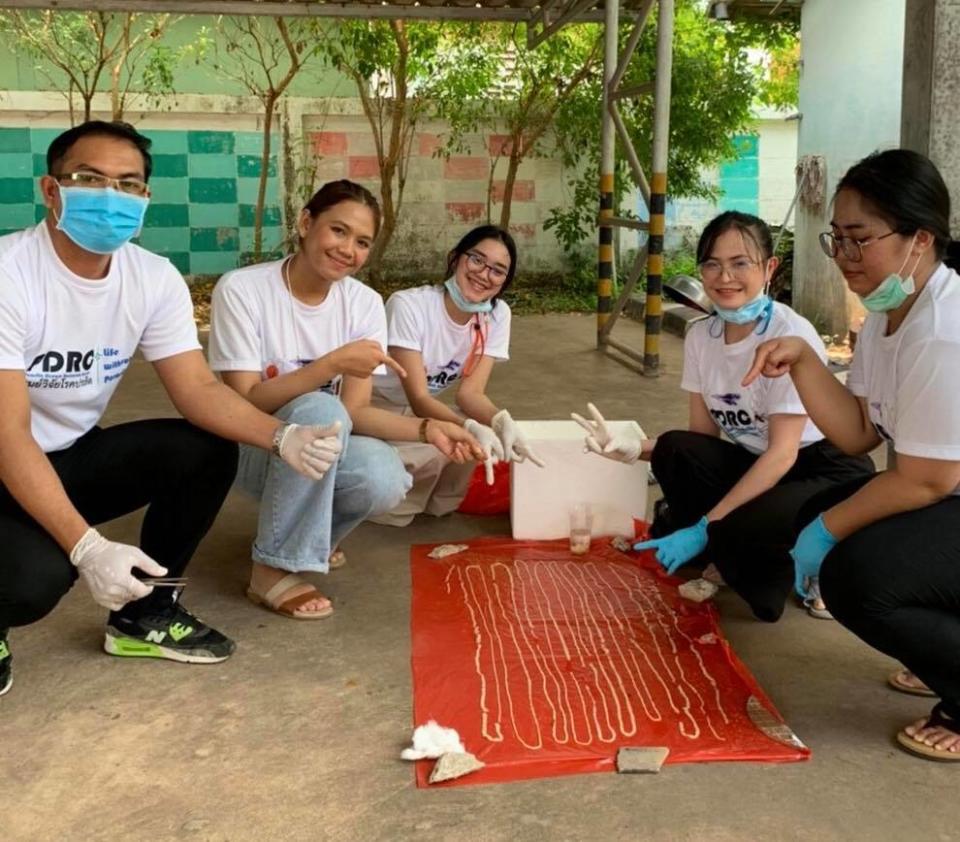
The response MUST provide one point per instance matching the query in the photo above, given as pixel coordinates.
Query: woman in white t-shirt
(446, 334)
(734, 502)
(300, 338)
(887, 551)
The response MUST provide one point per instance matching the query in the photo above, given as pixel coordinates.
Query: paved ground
(297, 736)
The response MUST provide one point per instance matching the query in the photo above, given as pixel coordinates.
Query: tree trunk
(116, 102)
(512, 166)
(388, 224)
(268, 107)
(87, 104)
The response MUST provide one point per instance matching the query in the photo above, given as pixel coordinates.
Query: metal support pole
(658, 189)
(605, 258)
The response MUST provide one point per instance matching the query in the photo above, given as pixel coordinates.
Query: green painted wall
(20, 73)
(204, 189)
(740, 178)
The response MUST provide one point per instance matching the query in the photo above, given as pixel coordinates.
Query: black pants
(179, 472)
(751, 545)
(896, 585)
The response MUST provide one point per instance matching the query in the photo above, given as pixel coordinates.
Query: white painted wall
(850, 92)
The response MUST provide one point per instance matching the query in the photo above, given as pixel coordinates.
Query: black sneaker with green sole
(6, 663)
(175, 635)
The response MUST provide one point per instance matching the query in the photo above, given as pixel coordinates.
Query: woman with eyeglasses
(446, 334)
(886, 549)
(733, 502)
(300, 338)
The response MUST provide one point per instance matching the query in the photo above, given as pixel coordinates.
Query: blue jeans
(301, 520)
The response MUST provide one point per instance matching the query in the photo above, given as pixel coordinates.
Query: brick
(214, 216)
(364, 166)
(272, 215)
(169, 166)
(16, 191)
(499, 145)
(214, 239)
(166, 216)
(14, 140)
(329, 169)
(211, 142)
(213, 190)
(523, 190)
(427, 144)
(248, 188)
(39, 212)
(16, 217)
(465, 167)
(329, 143)
(39, 163)
(180, 259)
(17, 164)
(361, 143)
(170, 191)
(249, 166)
(164, 240)
(213, 262)
(465, 211)
(524, 231)
(212, 165)
(163, 142)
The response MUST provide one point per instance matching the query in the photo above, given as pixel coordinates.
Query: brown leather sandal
(273, 600)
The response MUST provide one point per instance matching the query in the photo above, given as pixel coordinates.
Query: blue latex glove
(677, 548)
(813, 544)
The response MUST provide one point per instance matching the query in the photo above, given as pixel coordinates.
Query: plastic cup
(581, 522)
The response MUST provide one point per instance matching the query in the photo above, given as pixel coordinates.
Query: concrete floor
(297, 736)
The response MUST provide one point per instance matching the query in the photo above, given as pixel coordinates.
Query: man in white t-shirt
(76, 301)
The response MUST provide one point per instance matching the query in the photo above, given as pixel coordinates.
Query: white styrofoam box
(541, 498)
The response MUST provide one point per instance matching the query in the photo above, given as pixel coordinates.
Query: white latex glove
(488, 440)
(107, 566)
(514, 442)
(624, 446)
(311, 450)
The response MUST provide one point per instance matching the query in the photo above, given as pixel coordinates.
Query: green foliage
(715, 83)
(83, 53)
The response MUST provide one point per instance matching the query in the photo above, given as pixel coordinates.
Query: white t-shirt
(715, 370)
(418, 321)
(74, 337)
(909, 379)
(256, 325)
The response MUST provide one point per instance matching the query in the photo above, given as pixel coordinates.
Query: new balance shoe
(175, 635)
(6, 662)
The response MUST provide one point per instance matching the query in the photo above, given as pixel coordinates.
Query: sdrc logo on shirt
(66, 362)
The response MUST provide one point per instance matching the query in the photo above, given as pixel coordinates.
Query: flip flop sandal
(812, 598)
(899, 681)
(337, 559)
(937, 719)
(272, 600)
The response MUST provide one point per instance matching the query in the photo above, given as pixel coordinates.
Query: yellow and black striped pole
(658, 188)
(653, 314)
(605, 257)
(605, 261)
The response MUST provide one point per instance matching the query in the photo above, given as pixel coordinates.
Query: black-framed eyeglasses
(98, 181)
(477, 263)
(852, 249)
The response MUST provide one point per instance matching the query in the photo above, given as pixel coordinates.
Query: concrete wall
(207, 167)
(931, 89)
(850, 88)
(759, 181)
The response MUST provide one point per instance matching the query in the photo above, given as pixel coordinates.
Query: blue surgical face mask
(100, 219)
(461, 302)
(894, 289)
(749, 312)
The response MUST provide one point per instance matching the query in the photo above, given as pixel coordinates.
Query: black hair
(334, 192)
(906, 190)
(751, 228)
(485, 232)
(62, 143)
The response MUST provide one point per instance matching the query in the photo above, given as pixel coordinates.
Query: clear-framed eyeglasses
(739, 269)
(98, 181)
(851, 248)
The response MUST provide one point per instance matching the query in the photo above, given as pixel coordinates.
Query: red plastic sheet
(483, 499)
(547, 663)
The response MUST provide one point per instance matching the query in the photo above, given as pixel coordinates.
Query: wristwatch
(422, 435)
(277, 442)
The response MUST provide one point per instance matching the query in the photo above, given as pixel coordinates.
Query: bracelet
(278, 435)
(422, 435)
